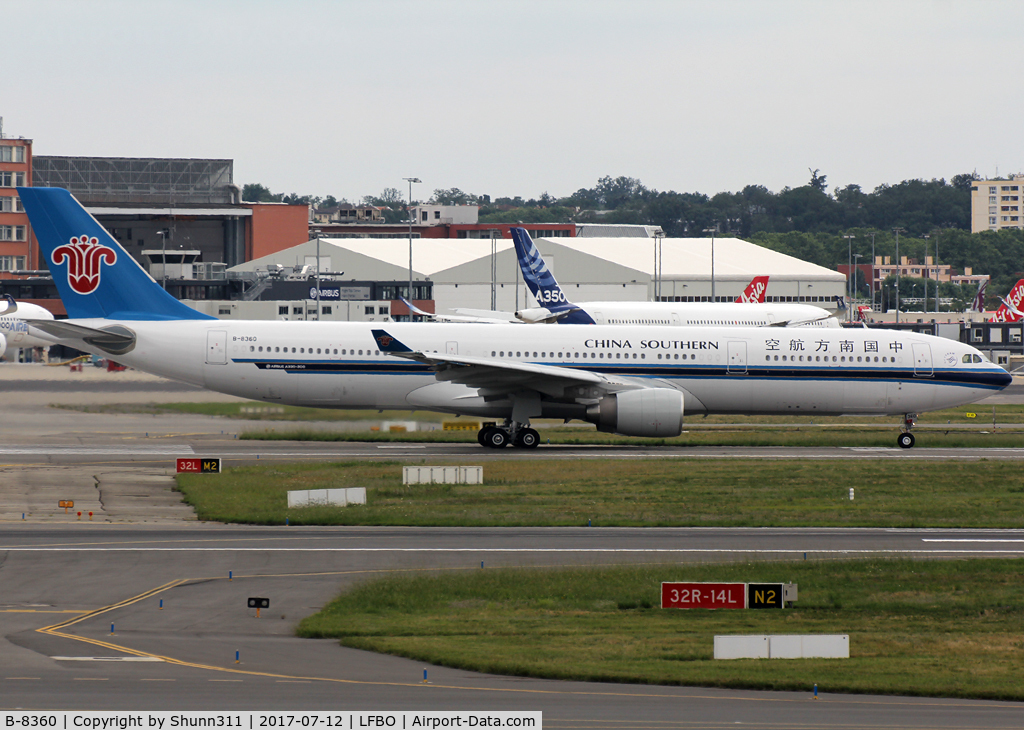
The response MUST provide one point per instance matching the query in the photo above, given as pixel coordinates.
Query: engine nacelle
(535, 315)
(648, 412)
(3, 343)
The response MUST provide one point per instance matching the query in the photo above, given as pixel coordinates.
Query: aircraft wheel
(905, 440)
(496, 438)
(481, 435)
(528, 439)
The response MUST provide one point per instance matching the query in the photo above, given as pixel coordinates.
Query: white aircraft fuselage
(14, 332)
(733, 370)
(709, 314)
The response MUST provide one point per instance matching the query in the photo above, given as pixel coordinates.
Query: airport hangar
(361, 278)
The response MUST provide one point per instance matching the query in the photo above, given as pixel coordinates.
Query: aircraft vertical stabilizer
(96, 278)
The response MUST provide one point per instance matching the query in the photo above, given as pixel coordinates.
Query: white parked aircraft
(637, 381)
(13, 329)
(745, 311)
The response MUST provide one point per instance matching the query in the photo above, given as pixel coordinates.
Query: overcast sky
(518, 98)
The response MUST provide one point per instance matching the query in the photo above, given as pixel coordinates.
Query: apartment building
(996, 204)
(15, 235)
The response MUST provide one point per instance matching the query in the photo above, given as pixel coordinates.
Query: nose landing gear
(906, 439)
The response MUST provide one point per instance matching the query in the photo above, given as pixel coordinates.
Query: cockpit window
(977, 358)
(967, 357)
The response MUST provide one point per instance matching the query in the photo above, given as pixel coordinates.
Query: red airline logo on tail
(755, 291)
(1009, 310)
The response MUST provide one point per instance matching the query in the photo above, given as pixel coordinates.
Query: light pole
(657, 267)
(856, 263)
(316, 233)
(410, 180)
(164, 233)
(872, 270)
(494, 271)
(898, 231)
(849, 279)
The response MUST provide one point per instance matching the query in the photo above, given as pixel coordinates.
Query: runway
(100, 575)
(66, 582)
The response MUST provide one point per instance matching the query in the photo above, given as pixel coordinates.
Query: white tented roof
(690, 258)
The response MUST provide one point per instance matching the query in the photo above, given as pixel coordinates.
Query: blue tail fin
(96, 278)
(535, 272)
(542, 282)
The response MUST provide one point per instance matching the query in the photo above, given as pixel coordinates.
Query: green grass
(809, 437)
(1005, 414)
(256, 411)
(659, 492)
(942, 628)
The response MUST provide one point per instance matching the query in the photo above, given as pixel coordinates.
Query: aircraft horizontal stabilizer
(116, 340)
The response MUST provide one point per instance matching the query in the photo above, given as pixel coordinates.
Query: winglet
(12, 306)
(388, 344)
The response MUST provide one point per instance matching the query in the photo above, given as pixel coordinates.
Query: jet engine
(647, 412)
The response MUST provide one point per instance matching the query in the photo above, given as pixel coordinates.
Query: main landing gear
(906, 439)
(498, 437)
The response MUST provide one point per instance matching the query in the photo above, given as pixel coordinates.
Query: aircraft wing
(493, 377)
(800, 322)
(469, 315)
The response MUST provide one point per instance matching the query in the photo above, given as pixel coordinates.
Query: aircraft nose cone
(1003, 378)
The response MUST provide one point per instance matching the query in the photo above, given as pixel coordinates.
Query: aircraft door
(922, 360)
(675, 319)
(737, 357)
(452, 348)
(216, 347)
(599, 318)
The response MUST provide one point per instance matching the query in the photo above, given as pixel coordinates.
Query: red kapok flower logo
(84, 255)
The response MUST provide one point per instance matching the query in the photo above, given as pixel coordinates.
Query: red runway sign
(703, 595)
(199, 466)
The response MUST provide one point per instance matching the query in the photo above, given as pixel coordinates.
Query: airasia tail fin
(1009, 310)
(94, 275)
(755, 291)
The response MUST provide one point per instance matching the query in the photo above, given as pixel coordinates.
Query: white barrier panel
(814, 646)
(442, 475)
(327, 497)
(791, 646)
(741, 647)
(298, 498)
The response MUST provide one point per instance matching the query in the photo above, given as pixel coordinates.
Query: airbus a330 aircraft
(13, 329)
(557, 308)
(637, 381)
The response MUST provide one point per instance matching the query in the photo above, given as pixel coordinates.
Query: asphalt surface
(65, 581)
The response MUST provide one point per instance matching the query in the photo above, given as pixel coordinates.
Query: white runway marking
(183, 450)
(965, 539)
(740, 551)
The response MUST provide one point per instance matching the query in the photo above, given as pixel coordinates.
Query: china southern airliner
(745, 311)
(637, 381)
